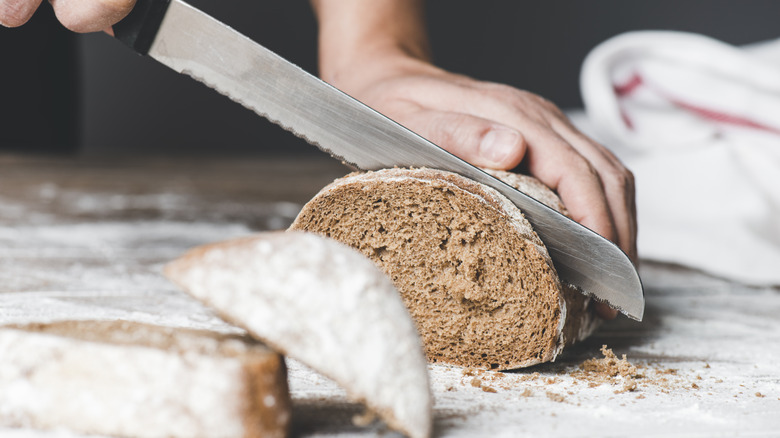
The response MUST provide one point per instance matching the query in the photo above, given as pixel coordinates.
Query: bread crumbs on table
(555, 397)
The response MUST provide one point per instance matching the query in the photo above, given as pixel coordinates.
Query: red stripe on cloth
(629, 86)
(721, 117)
(635, 81)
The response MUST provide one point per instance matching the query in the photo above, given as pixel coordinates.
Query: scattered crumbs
(364, 419)
(698, 377)
(640, 396)
(527, 392)
(629, 385)
(451, 389)
(758, 394)
(480, 378)
(469, 372)
(719, 381)
(533, 376)
(555, 397)
(694, 386)
(706, 365)
(609, 369)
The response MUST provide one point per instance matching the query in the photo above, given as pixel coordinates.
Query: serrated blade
(191, 42)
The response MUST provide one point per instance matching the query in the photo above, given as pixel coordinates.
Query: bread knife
(191, 42)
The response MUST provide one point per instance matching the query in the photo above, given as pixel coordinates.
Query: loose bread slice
(476, 278)
(324, 304)
(136, 380)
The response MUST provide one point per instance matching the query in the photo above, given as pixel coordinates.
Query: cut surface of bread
(322, 303)
(129, 379)
(476, 278)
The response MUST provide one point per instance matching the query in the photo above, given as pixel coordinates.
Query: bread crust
(123, 378)
(322, 303)
(475, 276)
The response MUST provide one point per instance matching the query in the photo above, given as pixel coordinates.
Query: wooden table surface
(85, 238)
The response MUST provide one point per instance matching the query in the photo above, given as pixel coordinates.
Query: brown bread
(475, 277)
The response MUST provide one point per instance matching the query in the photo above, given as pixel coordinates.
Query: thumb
(91, 15)
(479, 141)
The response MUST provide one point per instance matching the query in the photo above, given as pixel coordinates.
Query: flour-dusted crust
(531, 187)
(324, 304)
(475, 276)
(136, 380)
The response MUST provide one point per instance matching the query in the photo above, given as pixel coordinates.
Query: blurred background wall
(91, 94)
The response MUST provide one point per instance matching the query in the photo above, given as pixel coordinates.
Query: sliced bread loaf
(476, 278)
(320, 302)
(136, 380)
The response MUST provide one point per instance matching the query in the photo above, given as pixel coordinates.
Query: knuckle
(582, 166)
(440, 131)
(621, 178)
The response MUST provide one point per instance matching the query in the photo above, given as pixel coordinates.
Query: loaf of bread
(129, 379)
(476, 278)
(320, 302)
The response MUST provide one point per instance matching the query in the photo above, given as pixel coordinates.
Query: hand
(378, 53)
(499, 127)
(76, 15)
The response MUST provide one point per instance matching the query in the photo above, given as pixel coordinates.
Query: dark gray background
(121, 103)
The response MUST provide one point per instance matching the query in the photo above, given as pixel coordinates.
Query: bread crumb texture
(617, 374)
(475, 277)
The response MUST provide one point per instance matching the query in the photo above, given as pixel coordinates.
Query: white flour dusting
(722, 337)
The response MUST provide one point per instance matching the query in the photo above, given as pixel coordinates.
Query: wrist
(364, 38)
(372, 63)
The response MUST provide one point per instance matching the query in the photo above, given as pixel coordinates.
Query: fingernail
(499, 144)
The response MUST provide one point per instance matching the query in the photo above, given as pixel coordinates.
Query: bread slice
(476, 278)
(130, 379)
(324, 304)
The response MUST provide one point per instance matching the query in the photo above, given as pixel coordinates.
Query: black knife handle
(139, 28)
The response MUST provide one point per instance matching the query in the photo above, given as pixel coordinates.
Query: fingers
(619, 190)
(596, 188)
(91, 15)
(14, 13)
(76, 15)
(476, 140)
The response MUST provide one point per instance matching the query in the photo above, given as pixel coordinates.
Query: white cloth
(698, 122)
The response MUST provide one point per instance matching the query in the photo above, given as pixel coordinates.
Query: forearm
(355, 32)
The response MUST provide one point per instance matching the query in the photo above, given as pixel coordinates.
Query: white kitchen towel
(698, 122)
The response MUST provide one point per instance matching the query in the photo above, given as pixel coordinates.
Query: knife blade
(191, 42)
